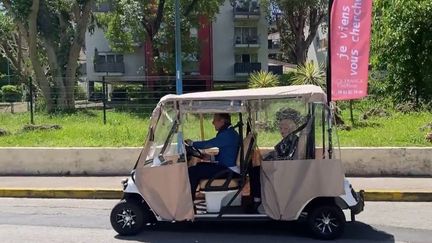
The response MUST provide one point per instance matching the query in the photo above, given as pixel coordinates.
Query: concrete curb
(398, 196)
(61, 193)
(77, 193)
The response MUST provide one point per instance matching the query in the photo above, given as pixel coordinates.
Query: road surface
(70, 220)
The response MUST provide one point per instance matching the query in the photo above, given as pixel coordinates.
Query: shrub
(80, 93)
(286, 78)
(11, 93)
(263, 79)
(119, 93)
(309, 73)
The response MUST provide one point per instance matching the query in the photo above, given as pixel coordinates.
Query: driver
(227, 140)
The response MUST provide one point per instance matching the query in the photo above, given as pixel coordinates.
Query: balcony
(109, 67)
(246, 10)
(246, 68)
(247, 41)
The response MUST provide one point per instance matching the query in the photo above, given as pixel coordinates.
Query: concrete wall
(67, 161)
(119, 161)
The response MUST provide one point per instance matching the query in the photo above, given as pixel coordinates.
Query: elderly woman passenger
(288, 120)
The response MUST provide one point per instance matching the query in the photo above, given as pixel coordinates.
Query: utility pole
(8, 71)
(179, 71)
(328, 81)
(328, 76)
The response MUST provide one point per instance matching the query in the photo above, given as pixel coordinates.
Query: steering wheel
(191, 150)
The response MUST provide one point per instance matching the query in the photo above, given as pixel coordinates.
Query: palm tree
(309, 73)
(263, 79)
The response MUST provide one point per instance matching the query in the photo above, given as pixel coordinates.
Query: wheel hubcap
(126, 218)
(326, 223)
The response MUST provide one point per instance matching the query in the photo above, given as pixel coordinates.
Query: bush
(97, 93)
(309, 73)
(136, 93)
(401, 48)
(11, 93)
(119, 93)
(80, 93)
(286, 78)
(263, 79)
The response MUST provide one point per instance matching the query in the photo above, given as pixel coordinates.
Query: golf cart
(309, 187)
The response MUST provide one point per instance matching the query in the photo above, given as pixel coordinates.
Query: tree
(152, 21)
(54, 31)
(297, 22)
(14, 48)
(402, 48)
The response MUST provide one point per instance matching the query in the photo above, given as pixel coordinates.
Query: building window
(246, 35)
(109, 58)
(246, 58)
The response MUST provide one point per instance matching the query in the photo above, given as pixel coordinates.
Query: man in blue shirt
(227, 140)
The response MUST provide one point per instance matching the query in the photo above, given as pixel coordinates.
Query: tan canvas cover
(166, 189)
(310, 93)
(286, 186)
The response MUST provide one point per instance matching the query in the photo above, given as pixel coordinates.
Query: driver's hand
(206, 156)
(188, 142)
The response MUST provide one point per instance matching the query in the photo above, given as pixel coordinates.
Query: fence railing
(109, 67)
(249, 67)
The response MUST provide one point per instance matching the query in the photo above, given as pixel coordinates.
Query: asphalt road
(67, 220)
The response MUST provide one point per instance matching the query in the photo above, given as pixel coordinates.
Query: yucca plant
(309, 73)
(263, 79)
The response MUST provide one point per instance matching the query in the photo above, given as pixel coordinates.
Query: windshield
(165, 147)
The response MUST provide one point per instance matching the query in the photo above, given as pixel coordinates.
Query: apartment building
(231, 47)
(240, 41)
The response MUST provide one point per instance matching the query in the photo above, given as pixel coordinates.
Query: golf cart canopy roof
(311, 93)
(233, 100)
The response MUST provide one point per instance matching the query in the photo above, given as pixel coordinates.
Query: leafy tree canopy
(297, 22)
(402, 48)
(136, 21)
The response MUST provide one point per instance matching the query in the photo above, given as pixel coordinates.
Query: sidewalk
(105, 187)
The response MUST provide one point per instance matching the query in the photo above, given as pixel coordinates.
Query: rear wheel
(128, 217)
(326, 222)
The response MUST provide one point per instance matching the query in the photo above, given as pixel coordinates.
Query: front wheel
(326, 222)
(128, 217)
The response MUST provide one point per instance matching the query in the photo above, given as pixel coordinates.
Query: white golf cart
(311, 187)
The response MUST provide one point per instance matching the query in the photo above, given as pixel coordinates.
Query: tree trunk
(31, 34)
(301, 52)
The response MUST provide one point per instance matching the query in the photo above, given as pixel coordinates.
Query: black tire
(128, 217)
(326, 222)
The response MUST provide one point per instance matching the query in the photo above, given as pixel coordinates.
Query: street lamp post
(8, 71)
(179, 81)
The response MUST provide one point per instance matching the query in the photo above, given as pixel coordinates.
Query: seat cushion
(234, 183)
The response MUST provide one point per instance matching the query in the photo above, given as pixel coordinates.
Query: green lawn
(80, 129)
(396, 130)
(86, 129)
